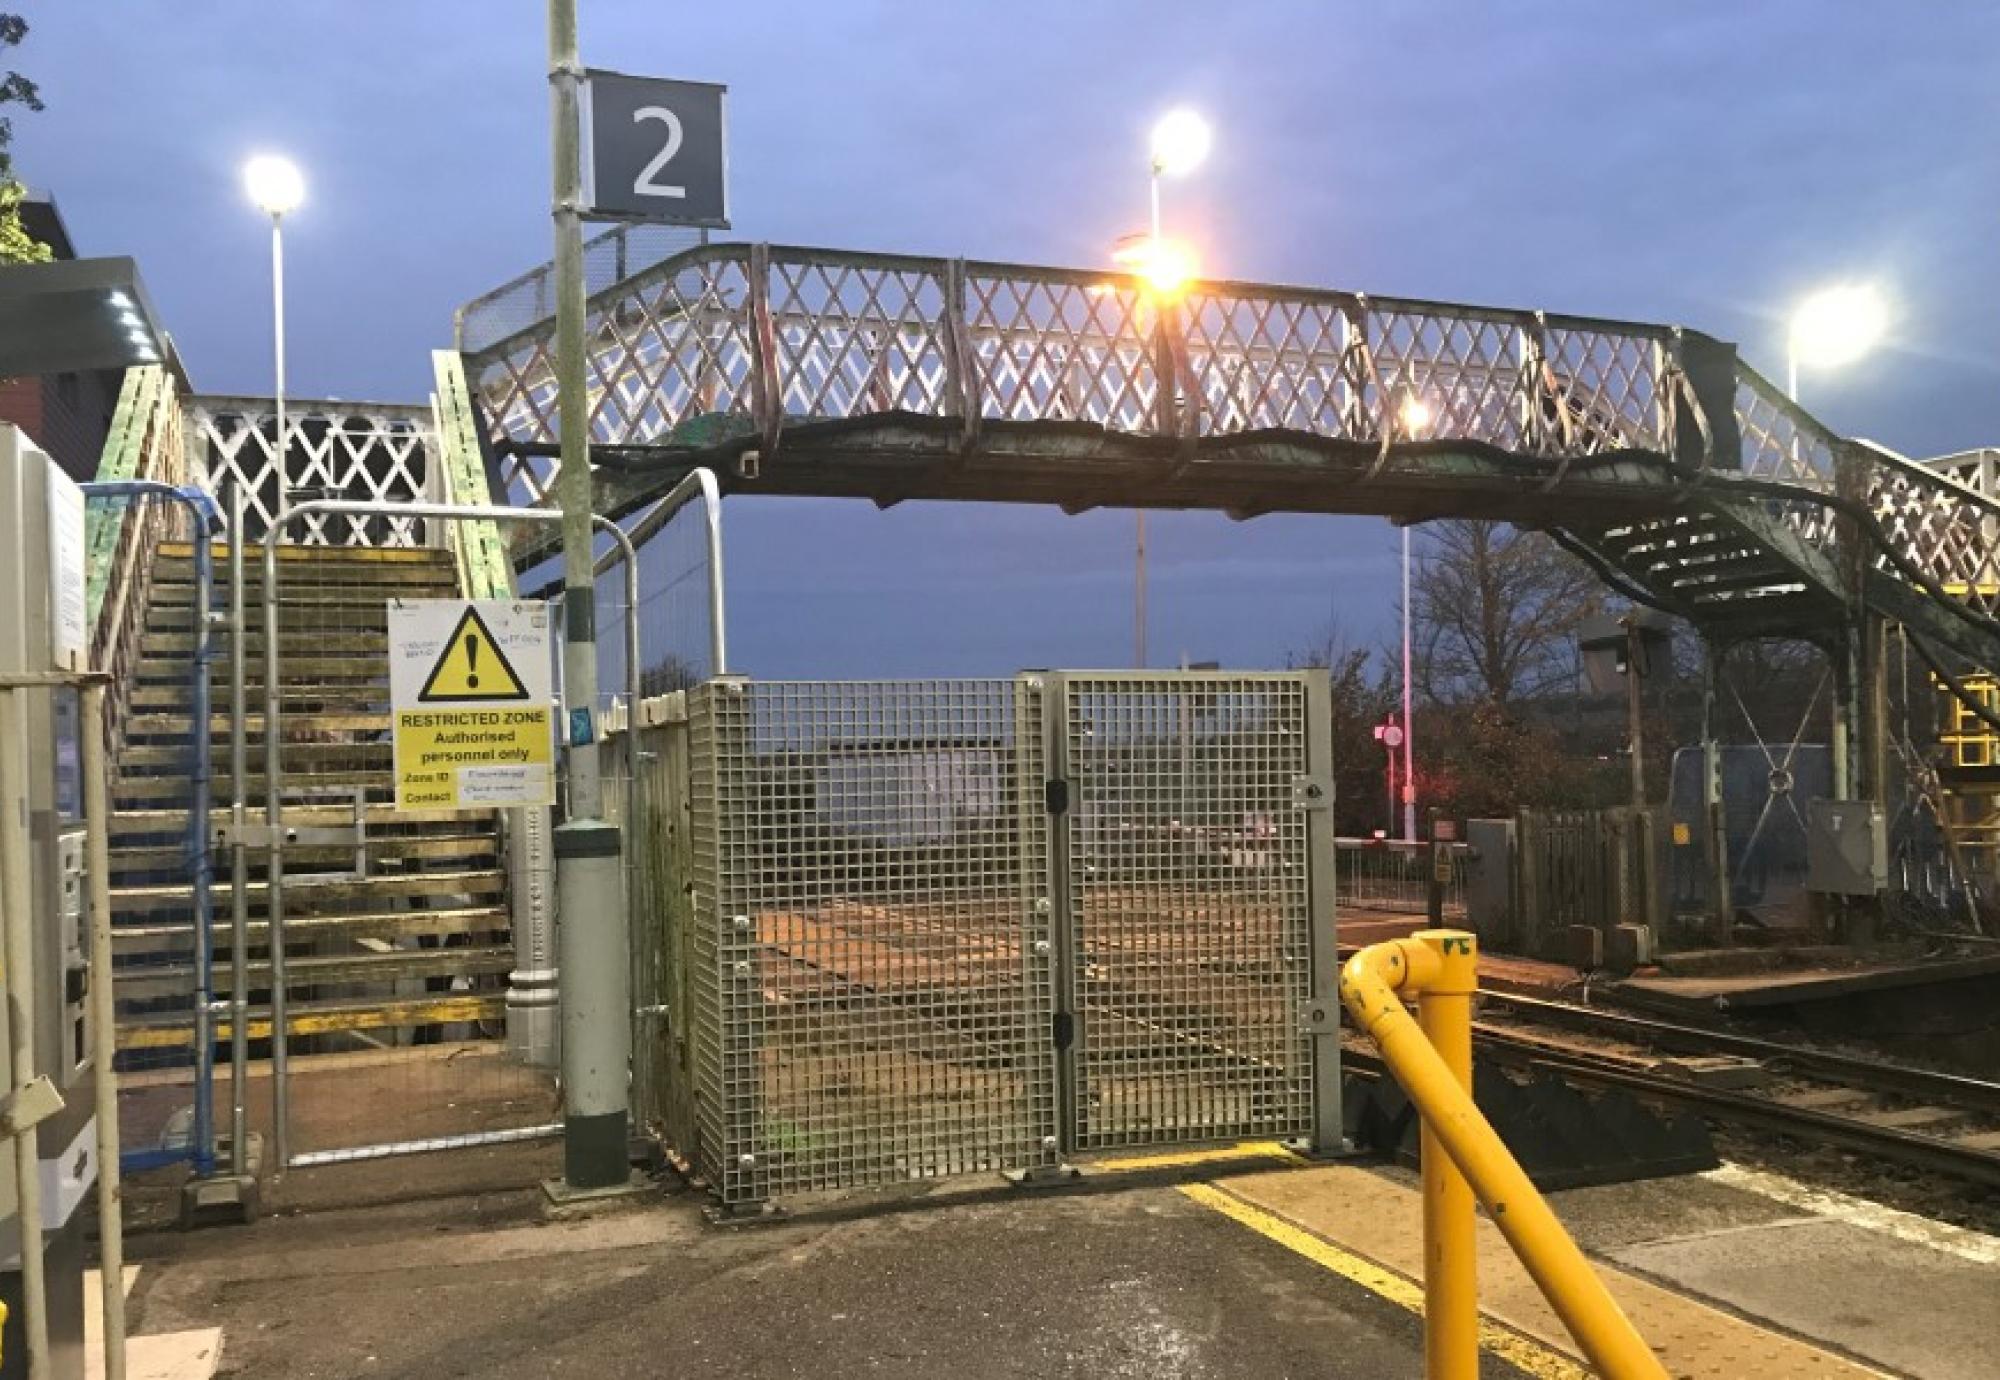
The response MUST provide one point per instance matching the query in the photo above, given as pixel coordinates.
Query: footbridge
(1684, 477)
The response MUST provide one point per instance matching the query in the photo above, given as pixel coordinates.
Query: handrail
(1069, 344)
(144, 444)
(484, 570)
(204, 517)
(1440, 968)
(700, 482)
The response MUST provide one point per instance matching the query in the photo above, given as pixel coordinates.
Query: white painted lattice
(370, 451)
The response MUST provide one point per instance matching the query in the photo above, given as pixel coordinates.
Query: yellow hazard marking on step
(472, 667)
(1525, 1354)
(1178, 1159)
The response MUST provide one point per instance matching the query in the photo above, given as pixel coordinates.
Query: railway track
(1937, 1122)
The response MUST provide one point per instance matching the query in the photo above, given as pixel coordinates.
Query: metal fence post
(274, 853)
(1059, 902)
(239, 853)
(1715, 825)
(1322, 865)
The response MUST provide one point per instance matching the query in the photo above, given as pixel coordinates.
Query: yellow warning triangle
(472, 666)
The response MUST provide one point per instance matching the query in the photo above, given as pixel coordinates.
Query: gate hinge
(1312, 792)
(1055, 795)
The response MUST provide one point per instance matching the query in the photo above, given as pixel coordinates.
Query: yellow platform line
(1526, 1355)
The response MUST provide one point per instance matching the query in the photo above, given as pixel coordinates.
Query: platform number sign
(656, 150)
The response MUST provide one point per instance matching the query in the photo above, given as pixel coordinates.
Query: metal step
(126, 823)
(178, 593)
(305, 894)
(168, 647)
(172, 695)
(298, 678)
(358, 614)
(161, 792)
(152, 725)
(145, 758)
(167, 981)
(168, 937)
(381, 850)
(181, 553)
(174, 1031)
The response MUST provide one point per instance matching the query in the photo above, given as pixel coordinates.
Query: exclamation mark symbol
(472, 661)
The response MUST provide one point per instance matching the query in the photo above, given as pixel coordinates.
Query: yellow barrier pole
(1369, 983)
(1451, 1283)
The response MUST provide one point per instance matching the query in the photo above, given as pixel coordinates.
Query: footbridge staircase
(398, 937)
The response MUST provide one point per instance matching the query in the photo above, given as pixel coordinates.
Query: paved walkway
(1248, 1263)
(1145, 1283)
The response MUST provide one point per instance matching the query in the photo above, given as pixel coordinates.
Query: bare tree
(1363, 695)
(1495, 613)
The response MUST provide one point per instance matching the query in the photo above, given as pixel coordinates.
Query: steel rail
(1970, 1094)
(1933, 1153)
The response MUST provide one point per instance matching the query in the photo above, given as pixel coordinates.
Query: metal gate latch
(1312, 792)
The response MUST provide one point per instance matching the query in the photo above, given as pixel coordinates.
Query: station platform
(1236, 1262)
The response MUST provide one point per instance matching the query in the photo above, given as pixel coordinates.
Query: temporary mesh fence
(396, 927)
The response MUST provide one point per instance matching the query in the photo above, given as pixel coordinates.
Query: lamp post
(1833, 327)
(1180, 142)
(276, 189)
(1415, 415)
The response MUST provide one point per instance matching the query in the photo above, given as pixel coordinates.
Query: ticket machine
(44, 627)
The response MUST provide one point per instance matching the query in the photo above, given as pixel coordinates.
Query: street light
(276, 189)
(1166, 266)
(1416, 415)
(1180, 143)
(1833, 327)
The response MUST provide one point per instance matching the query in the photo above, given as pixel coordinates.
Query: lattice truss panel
(739, 332)
(871, 934)
(363, 451)
(1949, 531)
(1941, 519)
(1188, 908)
(737, 340)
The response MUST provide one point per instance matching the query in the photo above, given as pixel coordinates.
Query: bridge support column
(1714, 824)
(1846, 657)
(1860, 752)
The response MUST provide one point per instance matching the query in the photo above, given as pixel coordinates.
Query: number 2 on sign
(644, 184)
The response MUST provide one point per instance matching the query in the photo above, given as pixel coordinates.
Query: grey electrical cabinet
(1847, 848)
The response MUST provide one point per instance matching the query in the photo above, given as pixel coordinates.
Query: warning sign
(457, 676)
(472, 687)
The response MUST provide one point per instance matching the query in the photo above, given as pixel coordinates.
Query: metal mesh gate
(872, 946)
(1188, 915)
(947, 927)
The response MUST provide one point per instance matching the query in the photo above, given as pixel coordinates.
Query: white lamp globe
(274, 184)
(1180, 142)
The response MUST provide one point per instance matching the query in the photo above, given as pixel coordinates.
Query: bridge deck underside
(1078, 466)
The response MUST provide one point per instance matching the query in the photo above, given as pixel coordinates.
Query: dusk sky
(1699, 164)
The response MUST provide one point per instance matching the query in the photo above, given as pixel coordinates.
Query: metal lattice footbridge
(1654, 453)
